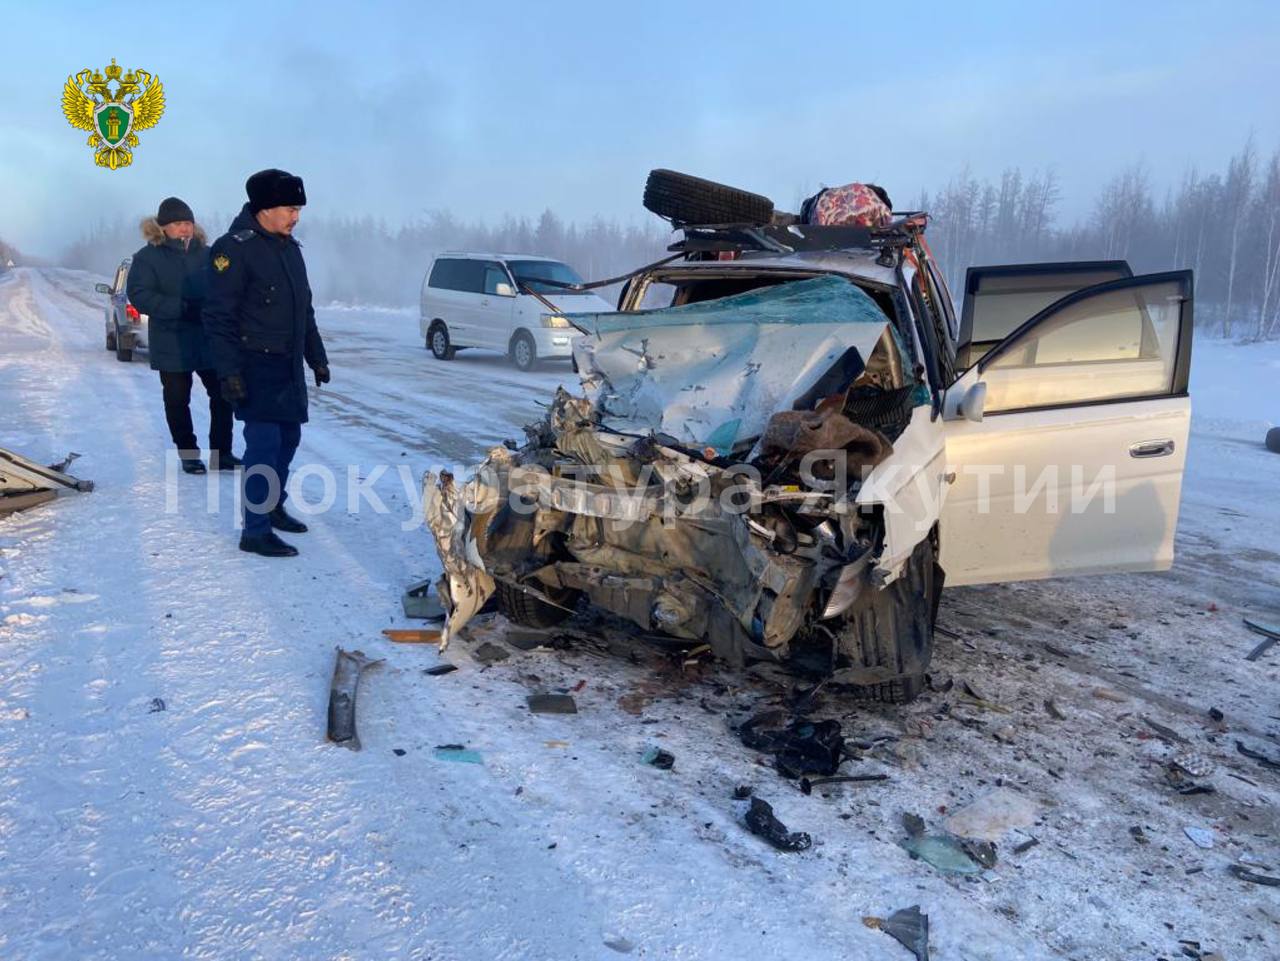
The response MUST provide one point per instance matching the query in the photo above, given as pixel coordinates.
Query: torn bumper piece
(24, 483)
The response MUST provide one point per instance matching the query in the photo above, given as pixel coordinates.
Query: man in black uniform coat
(167, 282)
(261, 328)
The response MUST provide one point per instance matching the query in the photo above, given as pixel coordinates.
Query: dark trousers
(177, 411)
(268, 450)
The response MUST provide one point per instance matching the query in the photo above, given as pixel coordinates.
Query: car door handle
(1151, 448)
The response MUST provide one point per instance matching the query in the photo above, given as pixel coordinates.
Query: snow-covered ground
(225, 826)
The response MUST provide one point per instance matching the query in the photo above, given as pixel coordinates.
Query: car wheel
(889, 631)
(1273, 440)
(438, 340)
(524, 353)
(123, 354)
(528, 611)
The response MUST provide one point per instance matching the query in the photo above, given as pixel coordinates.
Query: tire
(891, 630)
(438, 342)
(683, 199)
(111, 341)
(529, 611)
(523, 351)
(1273, 440)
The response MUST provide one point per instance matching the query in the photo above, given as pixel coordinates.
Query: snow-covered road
(224, 826)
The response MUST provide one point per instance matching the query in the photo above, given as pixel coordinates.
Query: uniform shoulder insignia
(221, 263)
(240, 236)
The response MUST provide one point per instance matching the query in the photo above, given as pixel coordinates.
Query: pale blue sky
(488, 108)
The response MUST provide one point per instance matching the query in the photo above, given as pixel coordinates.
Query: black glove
(233, 389)
(322, 375)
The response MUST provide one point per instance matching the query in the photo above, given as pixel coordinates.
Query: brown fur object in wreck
(791, 434)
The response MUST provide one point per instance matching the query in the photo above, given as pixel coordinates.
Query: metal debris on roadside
(1262, 759)
(420, 603)
(1270, 633)
(1166, 733)
(1253, 877)
(552, 704)
(807, 785)
(347, 669)
(762, 822)
(1200, 837)
(909, 927)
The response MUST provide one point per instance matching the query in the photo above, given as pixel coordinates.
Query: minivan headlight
(554, 320)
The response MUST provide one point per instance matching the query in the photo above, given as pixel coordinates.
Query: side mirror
(966, 405)
(504, 289)
(103, 289)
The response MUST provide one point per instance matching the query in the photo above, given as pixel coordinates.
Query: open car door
(998, 300)
(1076, 465)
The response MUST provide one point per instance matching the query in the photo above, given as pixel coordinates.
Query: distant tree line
(1225, 225)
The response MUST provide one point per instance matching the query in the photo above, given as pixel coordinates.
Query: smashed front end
(705, 485)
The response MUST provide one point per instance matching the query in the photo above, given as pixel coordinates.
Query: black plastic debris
(807, 784)
(910, 928)
(1253, 877)
(440, 669)
(801, 748)
(742, 792)
(552, 704)
(762, 823)
(399, 751)
(1262, 759)
(656, 756)
(157, 705)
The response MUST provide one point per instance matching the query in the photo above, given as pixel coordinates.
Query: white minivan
(502, 302)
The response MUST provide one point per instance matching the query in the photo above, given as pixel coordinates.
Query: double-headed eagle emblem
(113, 118)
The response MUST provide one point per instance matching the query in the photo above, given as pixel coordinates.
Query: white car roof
(475, 255)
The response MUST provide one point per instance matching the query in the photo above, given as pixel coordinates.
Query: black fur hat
(274, 188)
(172, 209)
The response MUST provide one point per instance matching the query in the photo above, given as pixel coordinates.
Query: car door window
(998, 300)
(494, 274)
(1115, 341)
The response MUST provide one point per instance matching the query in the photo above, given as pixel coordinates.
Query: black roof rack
(791, 238)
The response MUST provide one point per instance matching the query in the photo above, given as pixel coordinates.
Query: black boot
(282, 521)
(268, 545)
(225, 460)
(193, 465)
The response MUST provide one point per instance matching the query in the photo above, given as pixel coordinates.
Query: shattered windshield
(529, 273)
(822, 300)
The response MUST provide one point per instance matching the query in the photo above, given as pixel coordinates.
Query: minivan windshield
(528, 273)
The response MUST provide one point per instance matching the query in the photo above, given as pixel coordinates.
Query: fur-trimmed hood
(153, 233)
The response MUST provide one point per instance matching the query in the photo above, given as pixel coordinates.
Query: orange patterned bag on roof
(853, 205)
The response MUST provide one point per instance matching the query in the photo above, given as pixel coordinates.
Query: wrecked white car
(788, 461)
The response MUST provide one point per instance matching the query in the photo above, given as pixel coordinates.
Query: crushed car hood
(712, 374)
